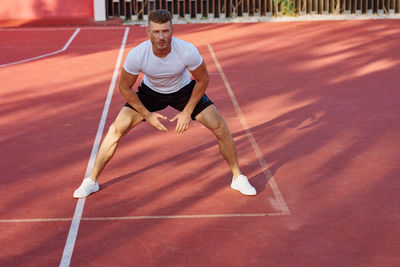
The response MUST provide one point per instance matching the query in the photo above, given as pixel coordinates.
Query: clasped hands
(183, 120)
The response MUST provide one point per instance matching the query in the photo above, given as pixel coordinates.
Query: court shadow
(260, 181)
(181, 157)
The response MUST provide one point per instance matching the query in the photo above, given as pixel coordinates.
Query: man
(165, 62)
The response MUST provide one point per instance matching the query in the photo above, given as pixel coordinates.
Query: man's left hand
(183, 121)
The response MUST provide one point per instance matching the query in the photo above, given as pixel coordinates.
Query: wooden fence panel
(137, 10)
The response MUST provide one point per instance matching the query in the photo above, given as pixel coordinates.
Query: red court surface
(313, 108)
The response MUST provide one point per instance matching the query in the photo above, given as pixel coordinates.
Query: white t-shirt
(164, 75)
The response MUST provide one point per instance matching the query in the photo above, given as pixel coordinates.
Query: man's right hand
(153, 118)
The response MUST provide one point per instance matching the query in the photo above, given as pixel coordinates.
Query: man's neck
(161, 53)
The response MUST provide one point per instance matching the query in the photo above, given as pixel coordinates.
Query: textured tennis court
(315, 124)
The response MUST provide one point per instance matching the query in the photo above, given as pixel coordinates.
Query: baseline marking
(267, 173)
(48, 54)
(144, 217)
(73, 231)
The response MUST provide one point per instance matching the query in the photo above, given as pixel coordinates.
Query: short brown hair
(160, 16)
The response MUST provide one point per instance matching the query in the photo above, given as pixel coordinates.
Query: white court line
(48, 54)
(268, 175)
(73, 231)
(194, 216)
(144, 217)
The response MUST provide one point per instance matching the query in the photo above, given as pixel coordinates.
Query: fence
(210, 9)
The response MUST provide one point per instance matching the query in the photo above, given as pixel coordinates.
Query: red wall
(45, 9)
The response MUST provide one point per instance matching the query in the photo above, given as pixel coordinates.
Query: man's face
(160, 35)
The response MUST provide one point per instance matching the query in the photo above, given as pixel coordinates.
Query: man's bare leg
(211, 118)
(125, 121)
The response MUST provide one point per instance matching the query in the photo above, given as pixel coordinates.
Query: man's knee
(213, 120)
(220, 129)
(126, 120)
(116, 130)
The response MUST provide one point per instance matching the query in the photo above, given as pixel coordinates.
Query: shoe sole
(88, 194)
(242, 192)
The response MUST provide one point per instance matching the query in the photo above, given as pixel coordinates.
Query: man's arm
(201, 76)
(126, 82)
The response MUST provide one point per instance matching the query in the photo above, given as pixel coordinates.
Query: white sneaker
(241, 183)
(87, 187)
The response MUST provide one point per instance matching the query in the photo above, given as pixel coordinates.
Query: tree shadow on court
(347, 111)
(323, 124)
(329, 143)
(259, 180)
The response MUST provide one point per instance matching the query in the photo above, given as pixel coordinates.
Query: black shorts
(155, 101)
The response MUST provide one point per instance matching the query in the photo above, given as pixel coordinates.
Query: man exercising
(165, 62)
